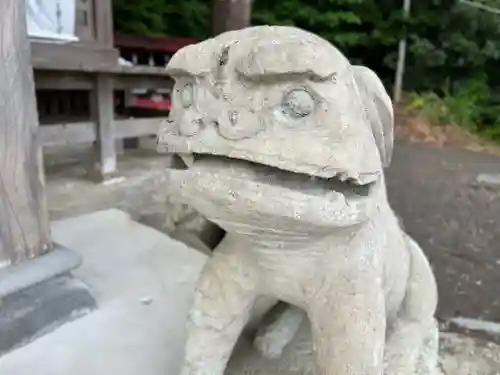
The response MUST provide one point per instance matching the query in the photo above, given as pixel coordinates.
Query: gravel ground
(455, 219)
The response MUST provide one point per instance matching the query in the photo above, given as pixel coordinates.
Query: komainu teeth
(343, 177)
(188, 159)
(365, 179)
(353, 179)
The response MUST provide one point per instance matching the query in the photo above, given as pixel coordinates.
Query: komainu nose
(190, 126)
(166, 125)
(234, 125)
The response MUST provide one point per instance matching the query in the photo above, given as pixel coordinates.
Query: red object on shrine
(149, 51)
(167, 44)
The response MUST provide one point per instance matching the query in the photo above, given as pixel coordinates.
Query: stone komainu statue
(284, 144)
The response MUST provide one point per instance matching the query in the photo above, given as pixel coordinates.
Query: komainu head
(274, 122)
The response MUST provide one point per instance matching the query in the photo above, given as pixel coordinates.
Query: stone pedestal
(39, 295)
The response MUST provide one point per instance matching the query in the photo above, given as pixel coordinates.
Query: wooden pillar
(103, 97)
(24, 223)
(230, 15)
(104, 22)
(103, 115)
(400, 68)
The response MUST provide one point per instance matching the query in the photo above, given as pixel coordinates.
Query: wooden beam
(163, 44)
(139, 81)
(52, 80)
(104, 22)
(67, 134)
(73, 57)
(230, 15)
(102, 104)
(84, 132)
(49, 80)
(24, 222)
(131, 128)
(85, 58)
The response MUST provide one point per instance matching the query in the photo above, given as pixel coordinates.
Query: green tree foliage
(189, 18)
(453, 49)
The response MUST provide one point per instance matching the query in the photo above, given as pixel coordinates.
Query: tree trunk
(24, 224)
(230, 15)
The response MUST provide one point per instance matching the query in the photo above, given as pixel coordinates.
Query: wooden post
(398, 84)
(38, 294)
(102, 101)
(104, 22)
(103, 97)
(230, 15)
(24, 223)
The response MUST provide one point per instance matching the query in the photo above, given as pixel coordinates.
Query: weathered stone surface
(37, 296)
(459, 355)
(26, 274)
(489, 180)
(284, 144)
(196, 225)
(143, 282)
(192, 240)
(297, 357)
(39, 309)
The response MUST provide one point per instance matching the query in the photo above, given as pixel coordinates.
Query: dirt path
(433, 185)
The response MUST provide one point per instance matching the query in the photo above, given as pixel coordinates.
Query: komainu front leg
(348, 327)
(223, 300)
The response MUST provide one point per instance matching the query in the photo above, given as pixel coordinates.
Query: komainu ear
(379, 110)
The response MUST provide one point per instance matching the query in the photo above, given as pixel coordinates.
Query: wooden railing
(100, 79)
(91, 66)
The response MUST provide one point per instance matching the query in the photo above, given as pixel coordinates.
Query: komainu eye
(187, 96)
(298, 103)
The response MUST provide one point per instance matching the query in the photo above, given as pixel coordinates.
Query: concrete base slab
(30, 313)
(36, 298)
(144, 282)
(23, 275)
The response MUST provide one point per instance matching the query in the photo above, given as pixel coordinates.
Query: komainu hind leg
(411, 347)
(427, 363)
(273, 337)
